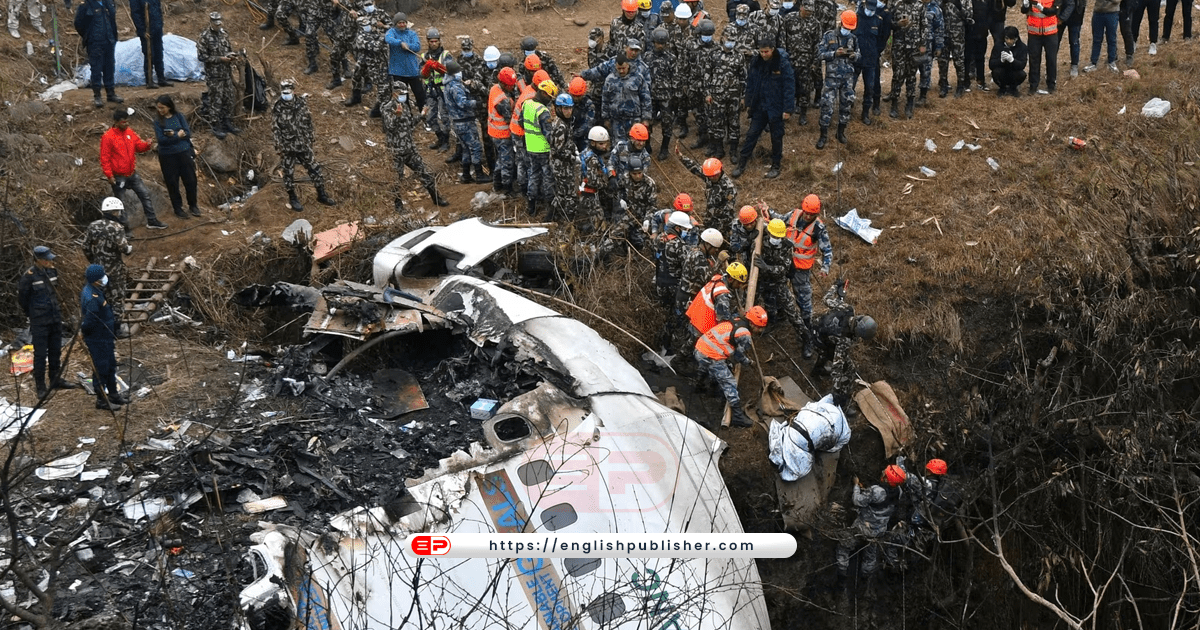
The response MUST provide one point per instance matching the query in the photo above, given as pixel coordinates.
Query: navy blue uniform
(96, 22)
(39, 300)
(99, 333)
(147, 19)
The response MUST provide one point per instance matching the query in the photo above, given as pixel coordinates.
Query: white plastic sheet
(1156, 108)
(792, 453)
(179, 61)
(13, 418)
(860, 226)
(64, 468)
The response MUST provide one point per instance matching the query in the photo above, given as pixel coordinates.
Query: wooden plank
(751, 289)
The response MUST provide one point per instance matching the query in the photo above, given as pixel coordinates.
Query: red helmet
(577, 87)
(894, 475)
(711, 166)
(539, 76)
(757, 315)
(936, 466)
(747, 215)
(639, 132)
(532, 63)
(508, 77)
(629, 5)
(811, 204)
(683, 202)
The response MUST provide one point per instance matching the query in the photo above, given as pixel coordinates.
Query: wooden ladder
(152, 288)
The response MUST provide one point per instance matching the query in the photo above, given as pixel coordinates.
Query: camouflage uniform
(641, 198)
(802, 37)
(695, 269)
(540, 186)
(626, 101)
(826, 12)
(702, 60)
(906, 44)
(727, 85)
(763, 24)
(583, 118)
(461, 109)
(292, 128)
(719, 370)
(621, 154)
(620, 31)
(314, 15)
(342, 32)
(954, 44)
(876, 505)
(741, 240)
(218, 75)
(720, 196)
(564, 165)
(663, 87)
(933, 41)
(743, 36)
(475, 76)
(595, 58)
(596, 198)
(835, 339)
(435, 103)
(773, 293)
(839, 76)
(801, 278)
(371, 52)
(105, 243)
(398, 121)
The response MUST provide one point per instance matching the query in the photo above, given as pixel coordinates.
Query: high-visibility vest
(514, 125)
(703, 310)
(497, 124)
(1038, 23)
(699, 17)
(804, 251)
(535, 142)
(717, 343)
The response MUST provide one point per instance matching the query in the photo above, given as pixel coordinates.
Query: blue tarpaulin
(179, 59)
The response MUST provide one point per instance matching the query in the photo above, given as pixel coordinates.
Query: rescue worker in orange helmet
(720, 194)
(808, 235)
(730, 341)
(875, 505)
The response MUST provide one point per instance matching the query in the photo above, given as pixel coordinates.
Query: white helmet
(112, 204)
(491, 53)
(598, 134)
(680, 219)
(683, 11)
(712, 236)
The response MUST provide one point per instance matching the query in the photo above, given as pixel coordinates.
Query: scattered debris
(928, 172)
(993, 163)
(959, 145)
(1156, 108)
(1078, 144)
(880, 405)
(15, 418)
(1122, 112)
(1132, 74)
(64, 468)
(332, 242)
(484, 408)
(860, 226)
(930, 146)
(265, 505)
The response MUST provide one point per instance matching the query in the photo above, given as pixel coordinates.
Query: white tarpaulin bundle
(820, 427)
(179, 62)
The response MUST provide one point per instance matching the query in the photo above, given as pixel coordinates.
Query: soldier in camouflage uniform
(836, 331)
(640, 194)
(597, 55)
(475, 76)
(663, 87)
(564, 163)
(743, 231)
(802, 36)
(343, 29)
(774, 264)
(955, 16)
(399, 118)
(839, 51)
(910, 24)
(697, 264)
(870, 530)
(216, 53)
(370, 52)
(598, 191)
(314, 15)
(933, 43)
(724, 102)
(105, 243)
(629, 25)
(702, 63)
(292, 128)
(634, 145)
(529, 45)
(433, 72)
(767, 23)
(626, 98)
(583, 116)
(827, 14)
(720, 195)
(461, 109)
(741, 33)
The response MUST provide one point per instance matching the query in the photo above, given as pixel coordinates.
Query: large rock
(22, 112)
(218, 158)
(21, 144)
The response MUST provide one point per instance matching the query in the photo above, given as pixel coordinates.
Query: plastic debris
(930, 146)
(994, 164)
(1156, 108)
(300, 228)
(860, 226)
(265, 505)
(484, 408)
(1122, 112)
(483, 199)
(92, 475)
(928, 172)
(55, 93)
(959, 145)
(14, 419)
(137, 508)
(974, 147)
(1078, 144)
(64, 468)
(183, 573)
(837, 168)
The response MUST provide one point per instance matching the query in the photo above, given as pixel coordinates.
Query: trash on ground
(837, 168)
(183, 573)
(139, 508)
(928, 172)
(1156, 108)
(930, 146)
(397, 392)
(55, 92)
(659, 359)
(14, 419)
(299, 229)
(1122, 112)
(64, 468)
(959, 145)
(22, 361)
(265, 505)
(993, 163)
(93, 475)
(1078, 144)
(860, 226)
(86, 382)
(483, 199)
(334, 241)
(974, 147)
(484, 408)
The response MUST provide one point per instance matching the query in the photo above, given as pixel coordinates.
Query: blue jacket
(172, 145)
(402, 63)
(871, 33)
(771, 85)
(154, 8)
(97, 323)
(459, 104)
(96, 22)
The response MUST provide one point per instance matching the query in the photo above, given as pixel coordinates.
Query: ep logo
(430, 545)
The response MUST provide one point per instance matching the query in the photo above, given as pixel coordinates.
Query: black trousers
(1142, 9)
(759, 121)
(416, 87)
(103, 61)
(47, 346)
(1169, 18)
(1125, 20)
(1037, 45)
(175, 167)
(1008, 78)
(977, 58)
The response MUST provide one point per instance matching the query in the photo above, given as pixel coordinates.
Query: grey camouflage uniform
(763, 24)
(702, 62)
(343, 29)
(564, 166)
(906, 44)
(292, 129)
(954, 43)
(398, 122)
(105, 243)
(594, 206)
(773, 293)
(802, 38)
(622, 152)
(626, 101)
(641, 199)
(460, 107)
(314, 15)
(741, 240)
(218, 76)
(371, 54)
(621, 31)
(839, 76)
(876, 505)
(720, 196)
(726, 87)
(744, 36)
(663, 87)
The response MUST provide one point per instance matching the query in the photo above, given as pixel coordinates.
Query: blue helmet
(564, 100)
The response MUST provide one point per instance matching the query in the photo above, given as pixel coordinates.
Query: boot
(457, 155)
(894, 112)
(943, 90)
(292, 40)
(960, 90)
(701, 140)
(218, 130)
(444, 139)
(530, 207)
(807, 333)
(465, 177)
(717, 149)
(324, 198)
(96, 100)
(61, 384)
(738, 418)
(41, 390)
(824, 137)
(335, 82)
(105, 404)
(312, 67)
(355, 99)
(908, 108)
(163, 82)
(119, 398)
(841, 133)
(803, 115)
(228, 127)
(663, 152)
(866, 115)
(738, 169)
(294, 201)
(113, 98)
(875, 109)
(921, 98)
(436, 143)
(480, 176)
(375, 113)
(270, 23)
(683, 129)
(438, 200)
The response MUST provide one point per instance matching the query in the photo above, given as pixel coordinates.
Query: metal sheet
(474, 239)
(396, 393)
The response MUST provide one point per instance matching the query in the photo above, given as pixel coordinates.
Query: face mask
(370, 8)
(775, 241)
(528, 52)
(845, 31)
(881, 5)
(789, 5)
(287, 96)
(729, 45)
(772, 12)
(706, 38)
(492, 65)
(401, 98)
(468, 54)
(366, 28)
(591, 43)
(741, 22)
(869, 11)
(104, 281)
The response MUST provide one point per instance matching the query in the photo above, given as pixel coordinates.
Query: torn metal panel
(444, 250)
(391, 311)
(488, 311)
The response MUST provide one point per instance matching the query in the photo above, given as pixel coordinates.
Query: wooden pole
(751, 289)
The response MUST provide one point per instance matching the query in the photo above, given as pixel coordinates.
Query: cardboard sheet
(881, 407)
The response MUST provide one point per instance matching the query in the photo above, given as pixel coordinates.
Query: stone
(218, 159)
(23, 112)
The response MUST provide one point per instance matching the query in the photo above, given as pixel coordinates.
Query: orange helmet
(683, 202)
(747, 215)
(577, 87)
(757, 315)
(533, 63)
(936, 466)
(639, 132)
(629, 5)
(811, 204)
(508, 77)
(712, 166)
(849, 20)
(539, 76)
(894, 475)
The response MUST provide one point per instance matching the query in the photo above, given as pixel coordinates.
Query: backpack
(255, 97)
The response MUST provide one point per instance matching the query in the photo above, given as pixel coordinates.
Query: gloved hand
(723, 257)
(1006, 57)
(824, 270)
(758, 262)
(128, 249)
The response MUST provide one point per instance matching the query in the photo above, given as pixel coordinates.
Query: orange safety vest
(804, 252)
(699, 17)
(716, 343)
(515, 125)
(497, 124)
(1037, 23)
(703, 310)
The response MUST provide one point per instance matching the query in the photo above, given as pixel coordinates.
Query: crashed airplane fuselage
(590, 450)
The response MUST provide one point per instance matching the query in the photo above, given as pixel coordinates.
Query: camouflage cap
(215, 16)
(743, 9)
(466, 42)
(287, 84)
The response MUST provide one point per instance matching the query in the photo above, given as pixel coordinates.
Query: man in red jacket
(118, 157)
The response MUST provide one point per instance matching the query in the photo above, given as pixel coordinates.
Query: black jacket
(980, 11)
(771, 85)
(1020, 57)
(997, 9)
(37, 297)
